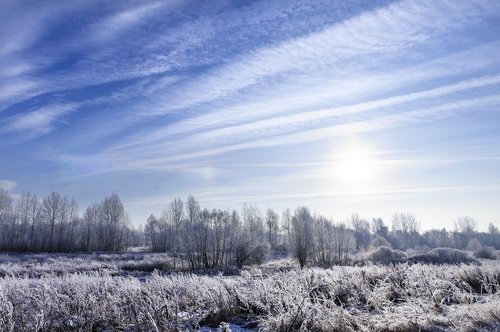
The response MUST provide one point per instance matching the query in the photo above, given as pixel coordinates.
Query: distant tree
(466, 224)
(361, 228)
(437, 238)
(302, 235)
(52, 206)
(190, 233)
(91, 218)
(286, 225)
(324, 248)
(272, 227)
(405, 229)
(64, 220)
(28, 214)
(492, 229)
(248, 248)
(114, 218)
(252, 218)
(174, 216)
(7, 219)
(5, 202)
(73, 223)
(379, 227)
(151, 232)
(35, 211)
(404, 222)
(344, 242)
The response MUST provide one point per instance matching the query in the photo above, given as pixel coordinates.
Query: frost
(276, 296)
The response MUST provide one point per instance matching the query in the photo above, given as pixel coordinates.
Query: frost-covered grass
(37, 265)
(276, 296)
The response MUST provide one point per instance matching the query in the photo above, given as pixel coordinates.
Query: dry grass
(276, 297)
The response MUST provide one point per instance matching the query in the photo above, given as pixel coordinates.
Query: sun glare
(355, 166)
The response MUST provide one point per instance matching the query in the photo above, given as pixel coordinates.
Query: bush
(443, 256)
(386, 255)
(379, 241)
(485, 252)
(474, 245)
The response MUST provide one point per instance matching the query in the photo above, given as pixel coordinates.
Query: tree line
(212, 239)
(54, 224)
(201, 238)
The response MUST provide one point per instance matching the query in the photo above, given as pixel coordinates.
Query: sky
(372, 107)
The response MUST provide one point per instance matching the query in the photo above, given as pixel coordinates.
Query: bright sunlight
(355, 166)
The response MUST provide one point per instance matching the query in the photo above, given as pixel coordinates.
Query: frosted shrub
(474, 245)
(485, 252)
(386, 255)
(379, 241)
(443, 256)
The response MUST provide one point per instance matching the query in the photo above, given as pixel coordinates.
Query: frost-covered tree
(302, 235)
(286, 226)
(113, 219)
(379, 227)
(91, 218)
(466, 224)
(361, 228)
(151, 233)
(52, 207)
(405, 230)
(272, 227)
(7, 218)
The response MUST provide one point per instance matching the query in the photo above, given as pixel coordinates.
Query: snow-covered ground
(94, 292)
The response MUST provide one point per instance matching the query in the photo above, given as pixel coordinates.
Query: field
(140, 292)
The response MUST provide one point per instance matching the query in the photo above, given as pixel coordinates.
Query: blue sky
(343, 106)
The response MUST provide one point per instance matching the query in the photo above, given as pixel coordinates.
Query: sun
(355, 166)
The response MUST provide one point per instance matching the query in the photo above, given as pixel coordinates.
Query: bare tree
(302, 235)
(405, 229)
(7, 219)
(35, 211)
(171, 222)
(344, 243)
(437, 238)
(91, 222)
(52, 209)
(27, 212)
(252, 219)
(361, 229)
(324, 245)
(272, 227)
(379, 227)
(189, 235)
(73, 221)
(286, 224)
(5, 202)
(466, 224)
(113, 217)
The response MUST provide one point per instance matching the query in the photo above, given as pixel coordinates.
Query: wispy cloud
(38, 122)
(226, 123)
(115, 24)
(330, 70)
(310, 126)
(376, 36)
